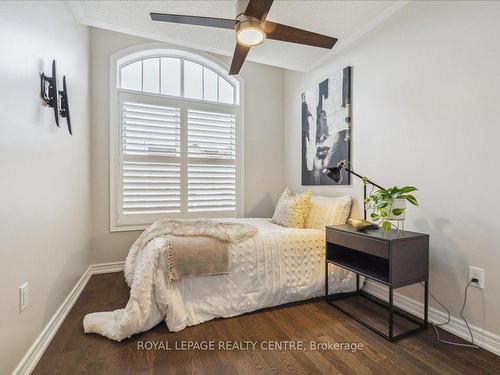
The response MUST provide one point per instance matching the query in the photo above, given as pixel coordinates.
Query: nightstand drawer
(363, 244)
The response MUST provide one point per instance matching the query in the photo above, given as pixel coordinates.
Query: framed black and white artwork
(326, 121)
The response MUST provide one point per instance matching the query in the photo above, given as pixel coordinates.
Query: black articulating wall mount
(50, 95)
(64, 111)
(48, 91)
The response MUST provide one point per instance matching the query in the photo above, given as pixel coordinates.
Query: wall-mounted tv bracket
(48, 91)
(64, 111)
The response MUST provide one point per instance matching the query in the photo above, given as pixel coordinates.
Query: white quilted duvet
(278, 266)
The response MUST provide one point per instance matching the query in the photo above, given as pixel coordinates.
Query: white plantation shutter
(178, 158)
(150, 129)
(211, 161)
(151, 187)
(150, 148)
(211, 135)
(211, 188)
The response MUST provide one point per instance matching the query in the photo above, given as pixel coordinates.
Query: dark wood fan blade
(222, 23)
(240, 53)
(291, 34)
(258, 9)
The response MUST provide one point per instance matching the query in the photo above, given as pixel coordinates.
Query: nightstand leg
(391, 312)
(357, 282)
(426, 302)
(326, 281)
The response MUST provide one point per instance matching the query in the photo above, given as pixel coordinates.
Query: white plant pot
(398, 203)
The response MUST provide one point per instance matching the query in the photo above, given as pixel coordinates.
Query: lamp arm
(344, 165)
(363, 178)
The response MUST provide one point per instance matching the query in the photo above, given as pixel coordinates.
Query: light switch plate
(23, 296)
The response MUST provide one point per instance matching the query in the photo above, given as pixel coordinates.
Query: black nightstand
(395, 258)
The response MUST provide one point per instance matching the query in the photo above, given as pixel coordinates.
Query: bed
(276, 266)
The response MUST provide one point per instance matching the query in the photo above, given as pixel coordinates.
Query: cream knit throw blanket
(151, 265)
(206, 245)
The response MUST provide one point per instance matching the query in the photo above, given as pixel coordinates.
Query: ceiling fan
(251, 29)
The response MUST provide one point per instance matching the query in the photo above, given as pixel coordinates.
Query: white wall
(44, 183)
(263, 141)
(426, 110)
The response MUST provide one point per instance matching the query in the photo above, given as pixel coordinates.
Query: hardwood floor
(73, 352)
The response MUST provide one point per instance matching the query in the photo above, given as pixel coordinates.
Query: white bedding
(277, 266)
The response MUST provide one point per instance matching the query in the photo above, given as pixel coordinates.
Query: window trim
(141, 52)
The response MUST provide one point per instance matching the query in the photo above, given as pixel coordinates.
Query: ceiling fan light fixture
(251, 29)
(250, 33)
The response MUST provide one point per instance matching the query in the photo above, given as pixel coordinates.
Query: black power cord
(435, 326)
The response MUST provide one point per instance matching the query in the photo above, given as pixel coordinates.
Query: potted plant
(390, 204)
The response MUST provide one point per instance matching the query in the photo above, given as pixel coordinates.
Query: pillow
(328, 211)
(292, 210)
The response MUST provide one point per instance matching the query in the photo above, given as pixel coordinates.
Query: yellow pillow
(292, 210)
(328, 211)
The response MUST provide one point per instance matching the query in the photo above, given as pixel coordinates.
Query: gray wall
(45, 178)
(263, 147)
(426, 89)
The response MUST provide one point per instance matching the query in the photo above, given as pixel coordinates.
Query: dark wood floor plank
(296, 331)
(73, 352)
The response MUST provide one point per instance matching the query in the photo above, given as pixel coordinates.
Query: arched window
(175, 137)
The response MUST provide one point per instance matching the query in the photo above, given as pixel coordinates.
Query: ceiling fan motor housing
(249, 31)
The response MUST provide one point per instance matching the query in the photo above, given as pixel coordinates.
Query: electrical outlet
(23, 296)
(476, 273)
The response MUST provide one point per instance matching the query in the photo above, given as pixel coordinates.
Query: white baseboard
(482, 338)
(35, 352)
(107, 267)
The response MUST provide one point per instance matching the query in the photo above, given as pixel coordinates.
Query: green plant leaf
(383, 213)
(381, 204)
(386, 226)
(410, 198)
(397, 211)
(408, 189)
(374, 216)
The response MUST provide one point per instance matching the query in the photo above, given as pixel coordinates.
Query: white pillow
(328, 211)
(292, 209)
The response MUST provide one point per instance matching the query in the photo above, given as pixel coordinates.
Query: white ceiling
(344, 20)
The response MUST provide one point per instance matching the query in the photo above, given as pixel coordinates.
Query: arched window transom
(176, 76)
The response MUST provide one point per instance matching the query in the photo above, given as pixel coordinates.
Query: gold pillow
(292, 210)
(328, 211)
